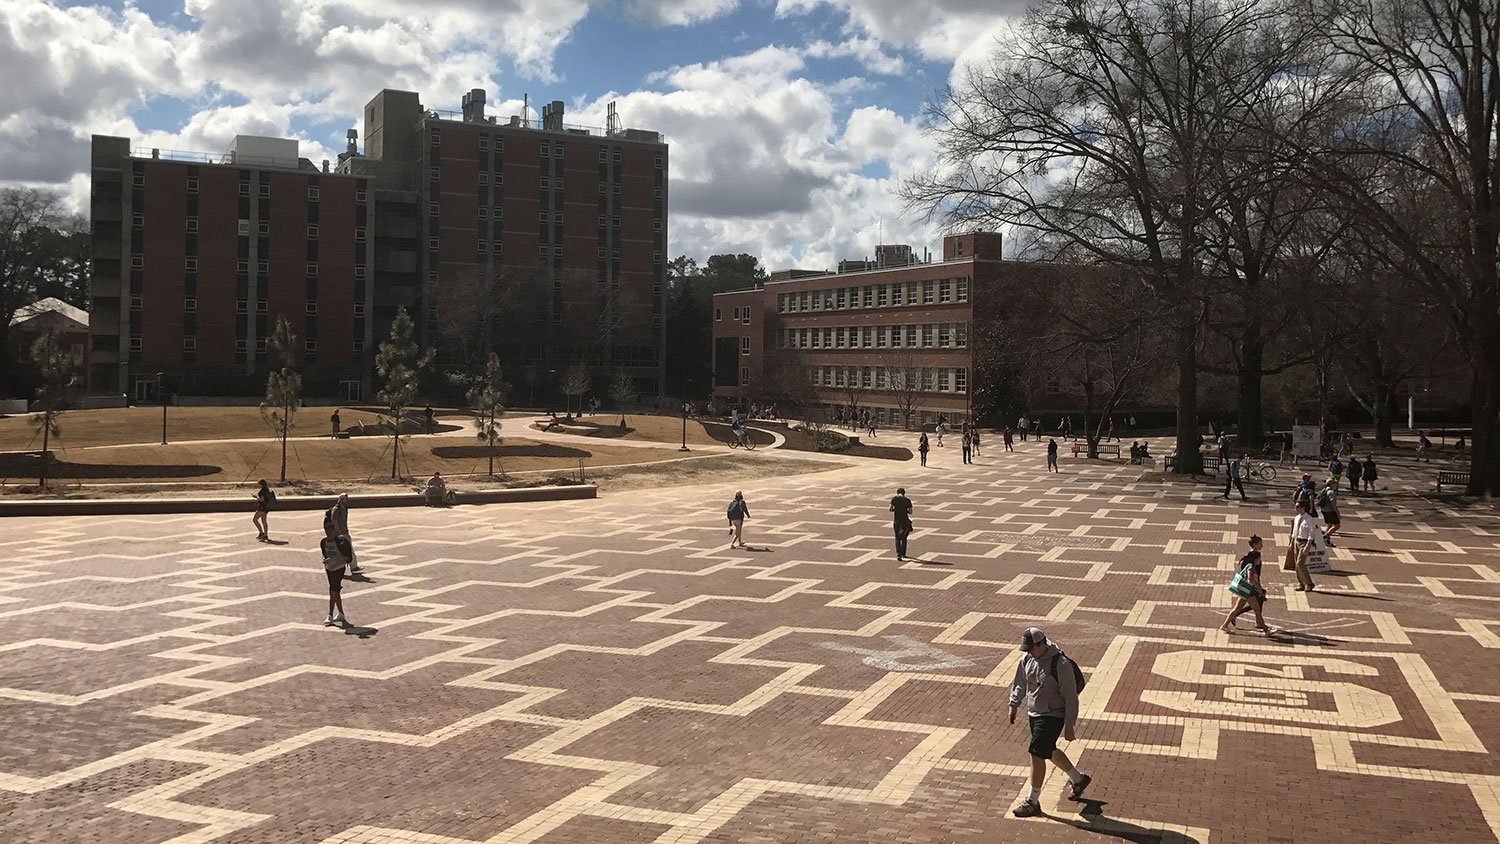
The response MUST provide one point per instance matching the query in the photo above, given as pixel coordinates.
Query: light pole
(684, 428)
(161, 396)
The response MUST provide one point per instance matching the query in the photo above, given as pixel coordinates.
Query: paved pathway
(609, 671)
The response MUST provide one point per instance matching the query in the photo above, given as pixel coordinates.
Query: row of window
(242, 306)
(190, 344)
(940, 335)
(934, 292)
(546, 150)
(138, 220)
(139, 180)
(924, 379)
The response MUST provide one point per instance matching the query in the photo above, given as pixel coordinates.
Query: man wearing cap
(1045, 679)
(339, 515)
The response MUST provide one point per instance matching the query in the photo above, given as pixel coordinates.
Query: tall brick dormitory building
(541, 240)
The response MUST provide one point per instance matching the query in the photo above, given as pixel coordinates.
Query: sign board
(1317, 555)
(1307, 441)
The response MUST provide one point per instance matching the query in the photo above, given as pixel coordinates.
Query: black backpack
(1078, 677)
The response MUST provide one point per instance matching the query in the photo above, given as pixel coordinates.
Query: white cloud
(679, 12)
(867, 51)
(940, 29)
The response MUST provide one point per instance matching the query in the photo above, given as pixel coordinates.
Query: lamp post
(684, 428)
(161, 396)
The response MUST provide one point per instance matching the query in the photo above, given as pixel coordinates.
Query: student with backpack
(337, 553)
(264, 498)
(1049, 683)
(339, 514)
(901, 507)
(737, 512)
(1372, 474)
(1233, 478)
(1328, 503)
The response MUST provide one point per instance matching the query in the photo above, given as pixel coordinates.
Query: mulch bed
(28, 465)
(471, 452)
(800, 440)
(595, 429)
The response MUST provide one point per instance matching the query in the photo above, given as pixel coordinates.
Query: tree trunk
(46, 429)
(1484, 460)
(1189, 440)
(1252, 358)
(1384, 395)
(395, 444)
(283, 443)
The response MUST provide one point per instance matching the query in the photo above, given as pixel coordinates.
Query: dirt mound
(479, 452)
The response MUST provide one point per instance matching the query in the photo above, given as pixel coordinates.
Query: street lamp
(161, 396)
(684, 427)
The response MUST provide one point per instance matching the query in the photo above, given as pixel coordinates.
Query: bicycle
(747, 443)
(1260, 471)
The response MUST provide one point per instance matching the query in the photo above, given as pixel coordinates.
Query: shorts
(1331, 517)
(335, 579)
(1045, 730)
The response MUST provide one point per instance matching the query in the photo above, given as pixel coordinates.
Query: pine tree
(487, 400)
(55, 372)
(283, 386)
(400, 362)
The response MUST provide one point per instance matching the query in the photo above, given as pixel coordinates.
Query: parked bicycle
(1260, 471)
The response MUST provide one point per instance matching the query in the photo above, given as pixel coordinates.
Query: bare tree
(575, 385)
(1098, 125)
(622, 390)
(56, 374)
(1431, 85)
(904, 380)
(283, 386)
(487, 401)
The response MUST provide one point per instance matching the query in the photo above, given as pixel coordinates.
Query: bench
(1112, 448)
(1452, 479)
(854, 440)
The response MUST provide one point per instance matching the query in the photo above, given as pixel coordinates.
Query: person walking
(337, 425)
(1052, 457)
(339, 513)
(1372, 474)
(940, 430)
(264, 498)
(968, 447)
(1048, 682)
(1036, 427)
(427, 415)
(1336, 471)
(1303, 527)
(870, 423)
(1232, 477)
(337, 553)
(1328, 503)
(1356, 470)
(1009, 437)
(1247, 589)
(738, 512)
(1111, 435)
(1022, 425)
(1306, 495)
(974, 442)
(923, 447)
(901, 507)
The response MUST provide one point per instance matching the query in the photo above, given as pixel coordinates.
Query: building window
(927, 336)
(942, 380)
(484, 247)
(310, 344)
(744, 345)
(190, 264)
(192, 224)
(497, 247)
(896, 294)
(432, 244)
(241, 345)
(190, 304)
(718, 315)
(963, 289)
(137, 262)
(136, 303)
(190, 344)
(880, 295)
(312, 192)
(359, 196)
(961, 335)
(359, 309)
(545, 183)
(244, 188)
(139, 179)
(840, 304)
(242, 306)
(484, 213)
(265, 190)
(945, 291)
(312, 308)
(911, 336)
(312, 230)
(263, 267)
(138, 221)
(960, 380)
(435, 138)
(242, 267)
(927, 292)
(866, 378)
(658, 159)
(135, 342)
(484, 142)
(432, 209)
(656, 225)
(359, 345)
(264, 227)
(944, 337)
(261, 306)
(747, 315)
(312, 270)
(260, 345)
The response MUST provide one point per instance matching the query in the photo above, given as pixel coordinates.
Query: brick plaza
(610, 671)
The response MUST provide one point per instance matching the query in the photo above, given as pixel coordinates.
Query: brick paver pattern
(611, 671)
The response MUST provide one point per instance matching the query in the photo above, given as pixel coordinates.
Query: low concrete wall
(10, 407)
(243, 504)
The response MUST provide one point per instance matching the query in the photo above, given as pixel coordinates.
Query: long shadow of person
(361, 632)
(1094, 820)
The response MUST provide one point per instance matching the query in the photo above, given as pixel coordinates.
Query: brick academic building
(542, 241)
(862, 334)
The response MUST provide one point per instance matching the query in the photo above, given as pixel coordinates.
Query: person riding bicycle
(739, 431)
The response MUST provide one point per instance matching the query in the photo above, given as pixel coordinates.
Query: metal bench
(1452, 479)
(1112, 448)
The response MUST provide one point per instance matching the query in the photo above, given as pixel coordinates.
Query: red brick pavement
(609, 671)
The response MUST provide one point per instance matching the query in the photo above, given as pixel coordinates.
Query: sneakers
(1027, 809)
(328, 622)
(338, 619)
(1075, 789)
(356, 570)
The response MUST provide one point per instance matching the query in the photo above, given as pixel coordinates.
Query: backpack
(270, 496)
(1325, 500)
(1078, 677)
(736, 509)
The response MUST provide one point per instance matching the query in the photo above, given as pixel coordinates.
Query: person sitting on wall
(435, 490)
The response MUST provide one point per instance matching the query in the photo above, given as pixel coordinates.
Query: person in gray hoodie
(1046, 681)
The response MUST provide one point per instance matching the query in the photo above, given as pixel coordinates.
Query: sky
(791, 122)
